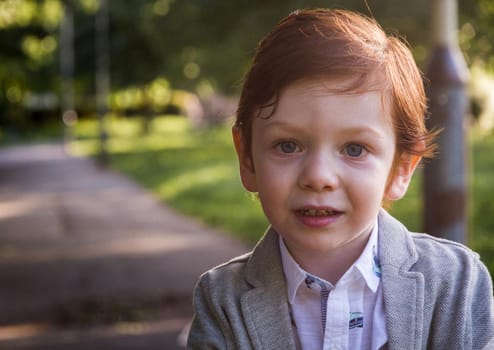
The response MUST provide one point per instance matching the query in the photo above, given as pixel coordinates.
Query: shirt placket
(334, 313)
(324, 289)
(337, 310)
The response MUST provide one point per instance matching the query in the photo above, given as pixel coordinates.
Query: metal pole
(445, 176)
(102, 76)
(69, 115)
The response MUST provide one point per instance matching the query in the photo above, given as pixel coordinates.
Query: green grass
(195, 171)
(482, 200)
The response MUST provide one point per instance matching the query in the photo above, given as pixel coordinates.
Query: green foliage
(195, 171)
(476, 33)
(189, 44)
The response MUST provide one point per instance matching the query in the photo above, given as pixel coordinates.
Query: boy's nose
(319, 173)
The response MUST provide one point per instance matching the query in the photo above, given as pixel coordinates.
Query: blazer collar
(265, 307)
(403, 290)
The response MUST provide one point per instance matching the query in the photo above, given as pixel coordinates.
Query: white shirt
(348, 315)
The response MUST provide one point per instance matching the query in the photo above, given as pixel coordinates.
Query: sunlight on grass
(84, 148)
(171, 126)
(127, 135)
(203, 177)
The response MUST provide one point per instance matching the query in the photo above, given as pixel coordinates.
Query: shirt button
(309, 280)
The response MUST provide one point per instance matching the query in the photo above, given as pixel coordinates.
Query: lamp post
(102, 76)
(69, 115)
(445, 209)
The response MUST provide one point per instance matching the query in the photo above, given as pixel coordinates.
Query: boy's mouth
(317, 212)
(317, 217)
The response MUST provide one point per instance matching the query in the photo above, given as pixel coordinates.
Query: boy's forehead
(297, 101)
(341, 86)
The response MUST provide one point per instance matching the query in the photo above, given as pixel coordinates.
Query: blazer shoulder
(234, 262)
(227, 276)
(437, 249)
(402, 248)
(443, 259)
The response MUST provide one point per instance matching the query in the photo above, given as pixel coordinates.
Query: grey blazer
(437, 295)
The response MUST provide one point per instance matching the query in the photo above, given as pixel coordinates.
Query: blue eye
(354, 150)
(288, 147)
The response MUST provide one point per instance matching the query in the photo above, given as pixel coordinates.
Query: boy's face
(321, 164)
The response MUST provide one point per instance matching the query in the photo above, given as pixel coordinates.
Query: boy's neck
(331, 266)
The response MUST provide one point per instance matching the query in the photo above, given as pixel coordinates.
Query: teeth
(317, 212)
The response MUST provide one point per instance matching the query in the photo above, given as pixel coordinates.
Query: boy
(329, 128)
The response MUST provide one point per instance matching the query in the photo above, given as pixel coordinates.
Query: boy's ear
(401, 176)
(247, 173)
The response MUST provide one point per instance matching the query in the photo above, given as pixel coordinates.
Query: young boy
(329, 128)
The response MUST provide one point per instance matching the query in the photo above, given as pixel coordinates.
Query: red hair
(338, 44)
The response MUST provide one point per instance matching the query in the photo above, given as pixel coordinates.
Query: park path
(78, 241)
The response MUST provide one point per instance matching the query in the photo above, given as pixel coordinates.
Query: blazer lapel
(403, 290)
(265, 307)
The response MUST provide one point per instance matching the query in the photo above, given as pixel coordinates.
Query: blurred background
(148, 88)
(160, 51)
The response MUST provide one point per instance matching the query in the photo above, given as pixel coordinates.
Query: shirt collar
(367, 265)
(294, 274)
